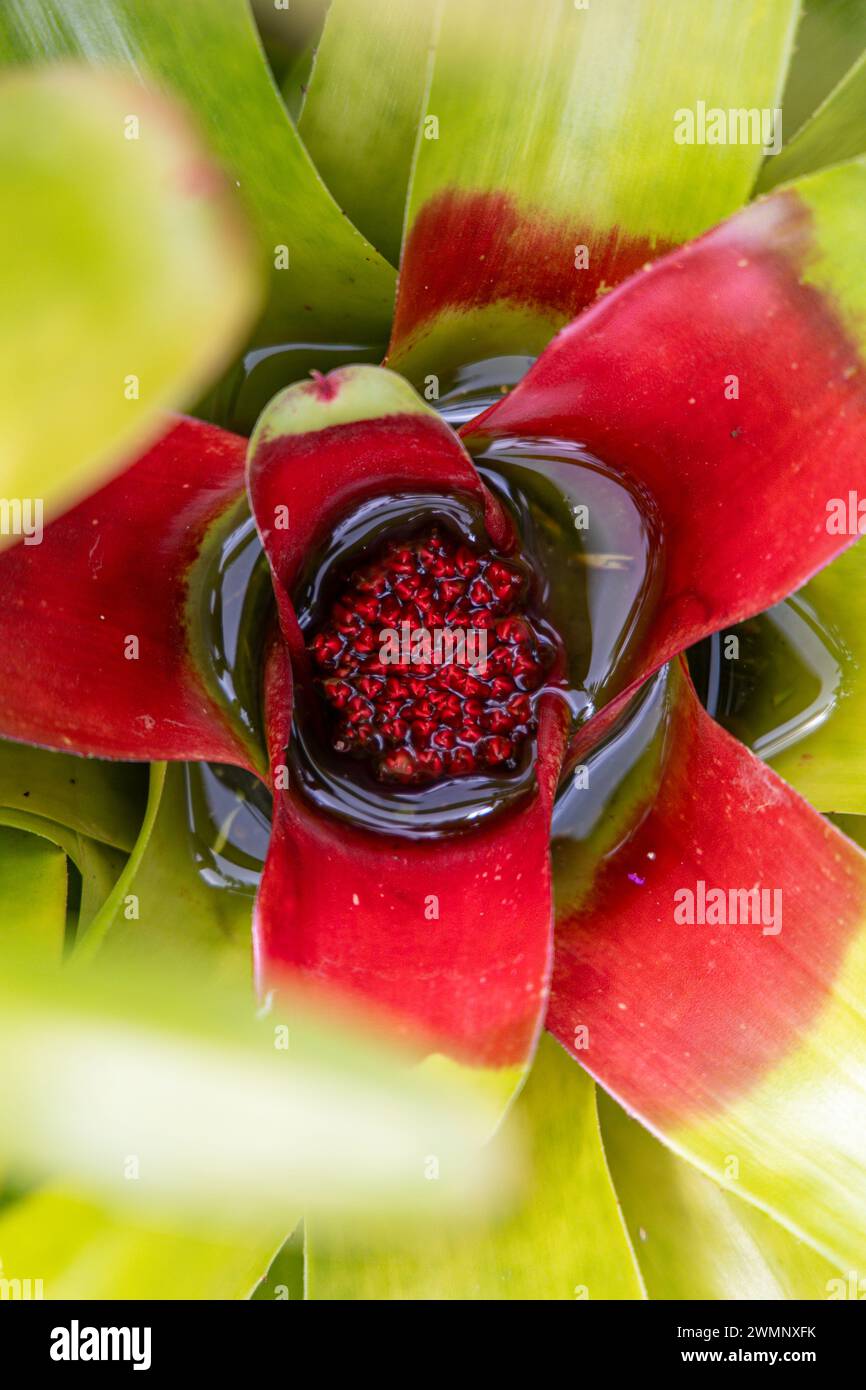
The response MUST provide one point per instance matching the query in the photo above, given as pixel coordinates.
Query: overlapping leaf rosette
(620, 400)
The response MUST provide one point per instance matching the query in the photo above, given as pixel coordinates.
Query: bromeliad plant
(699, 396)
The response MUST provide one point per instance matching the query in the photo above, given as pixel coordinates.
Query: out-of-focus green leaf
(335, 285)
(77, 1249)
(835, 133)
(693, 1239)
(99, 924)
(102, 800)
(564, 1240)
(175, 909)
(33, 883)
(99, 865)
(225, 1118)
(153, 903)
(361, 112)
(830, 38)
(125, 277)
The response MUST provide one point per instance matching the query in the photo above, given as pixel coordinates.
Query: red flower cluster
(428, 661)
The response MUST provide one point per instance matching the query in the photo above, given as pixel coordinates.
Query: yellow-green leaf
(125, 276)
(228, 1117)
(102, 800)
(694, 1239)
(324, 280)
(561, 149)
(362, 108)
(171, 909)
(70, 1247)
(564, 1239)
(32, 891)
(836, 132)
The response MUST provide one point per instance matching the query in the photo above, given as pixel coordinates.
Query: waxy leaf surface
(709, 971)
(350, 907)
(104, 624)
(552, 171)
(727, 383)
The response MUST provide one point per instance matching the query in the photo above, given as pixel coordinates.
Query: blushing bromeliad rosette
(417, 579)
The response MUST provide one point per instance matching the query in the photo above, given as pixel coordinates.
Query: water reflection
(777, 681)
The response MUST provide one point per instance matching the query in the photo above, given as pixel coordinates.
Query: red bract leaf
(310, 465)
(724, 383)
(121, 566)
(450, 937)
(470, 251)
(720, 1019)
(664, 1001)
(548, 167)
(315, 455)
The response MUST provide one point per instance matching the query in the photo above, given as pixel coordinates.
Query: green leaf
(32, 891)
(99, 865)
(336, 286)
(555, 166)
(295, 84)
(362, 108)
(131, 251)
(78, 1249)
(284, 1279)
(101, 800)
(854, 826)
(90, 810)
(102, 920)
(693, 1239)
(830, 38)
(287, 31)
(836, 132)
(176, 910)
(230, 1119)
(564, 1240)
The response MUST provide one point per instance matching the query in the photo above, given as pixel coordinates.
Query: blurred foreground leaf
(123, 241)
(217, 1114)
(77, 1249)
(564, 1239)
(328, 283)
